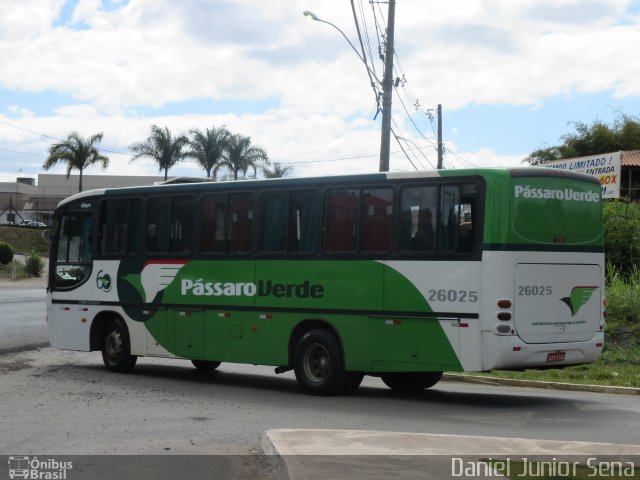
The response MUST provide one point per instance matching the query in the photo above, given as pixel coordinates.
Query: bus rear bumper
(510, 352)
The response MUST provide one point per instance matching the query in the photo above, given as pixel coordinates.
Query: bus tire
(205, 365)
(411, 381)
(319, 365)
(116, 347)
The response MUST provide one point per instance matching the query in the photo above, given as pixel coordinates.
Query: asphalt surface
(321, 453)
(22, 319)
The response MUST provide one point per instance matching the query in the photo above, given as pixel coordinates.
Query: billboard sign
(605, 167)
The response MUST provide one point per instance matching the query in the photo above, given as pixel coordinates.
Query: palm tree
(240, 155)
(276, 171)
(208, 147)
(161, 147)
(78, 153)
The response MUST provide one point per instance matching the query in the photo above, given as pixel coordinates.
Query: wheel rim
(113, 345)
(316, 363)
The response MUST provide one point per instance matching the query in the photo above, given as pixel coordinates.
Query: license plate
(556, 356)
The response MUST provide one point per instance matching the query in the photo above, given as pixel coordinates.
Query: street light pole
(387, 90)
(387, 81)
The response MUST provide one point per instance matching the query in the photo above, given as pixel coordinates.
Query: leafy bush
(34, 265)
(623, 298)
(6, 253)
(622, 235)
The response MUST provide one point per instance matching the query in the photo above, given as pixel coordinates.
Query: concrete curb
(510, 382)
(347, 454)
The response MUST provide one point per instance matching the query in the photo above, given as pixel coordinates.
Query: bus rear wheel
(411, 381)
(205, 365)
(116, 347)
(319, 365)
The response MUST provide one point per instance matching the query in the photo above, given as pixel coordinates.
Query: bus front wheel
(319, 365)
(411, 381)
(116, 347)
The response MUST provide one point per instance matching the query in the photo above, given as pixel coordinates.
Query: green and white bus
(397, 275)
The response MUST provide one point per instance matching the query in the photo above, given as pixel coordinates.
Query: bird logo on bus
(577, 298)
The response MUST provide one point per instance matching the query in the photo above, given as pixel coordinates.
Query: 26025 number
(454, 296)
(534, 290)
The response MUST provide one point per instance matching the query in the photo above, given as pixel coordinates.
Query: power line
(403, 151)
(30, 131)
(21, 153)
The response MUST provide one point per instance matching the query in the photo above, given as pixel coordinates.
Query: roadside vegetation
(619, 363)
(25, 241)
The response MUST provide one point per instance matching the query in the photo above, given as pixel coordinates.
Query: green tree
(276, 171)
(208, 147)
(162, 147)
(78, 153)
(240, 156)
(622, 235)
(594, 139)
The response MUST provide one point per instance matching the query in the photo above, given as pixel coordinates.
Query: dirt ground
(30, 282)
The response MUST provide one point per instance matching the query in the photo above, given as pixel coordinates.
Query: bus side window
(181, 224)
(134, 223)
(457, 209)
(376, 214)
(341, 220)
(273, 221)
(449, 210)
(213, 211)
(304, 212)
(466, 221)
(417, 223)
(239, 223)
(157, 224)
(113, 226)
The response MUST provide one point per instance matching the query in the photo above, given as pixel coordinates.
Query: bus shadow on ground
(181, 375)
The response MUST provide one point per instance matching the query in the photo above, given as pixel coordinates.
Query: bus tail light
(504, 303)
(504, 316)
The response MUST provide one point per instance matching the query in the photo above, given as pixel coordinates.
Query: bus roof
(328, 179)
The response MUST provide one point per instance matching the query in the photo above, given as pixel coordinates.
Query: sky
(511, 76)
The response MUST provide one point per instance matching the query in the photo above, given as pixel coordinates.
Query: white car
(32, 223)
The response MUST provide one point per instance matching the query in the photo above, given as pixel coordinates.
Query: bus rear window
(550, 210)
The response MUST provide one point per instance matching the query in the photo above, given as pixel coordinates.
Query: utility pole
(387, 89)
(440, 149)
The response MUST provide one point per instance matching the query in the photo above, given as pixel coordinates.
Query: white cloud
(153, 53)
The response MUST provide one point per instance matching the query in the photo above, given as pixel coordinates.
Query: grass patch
(24, 239)
(13, 271)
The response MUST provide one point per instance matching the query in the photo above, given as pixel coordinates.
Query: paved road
(22, 318)
(56, 402)
(66, 402)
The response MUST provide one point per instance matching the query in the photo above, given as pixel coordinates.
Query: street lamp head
(311, 15)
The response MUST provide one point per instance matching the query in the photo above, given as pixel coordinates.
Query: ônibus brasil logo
(35, 469)
(577, 298)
